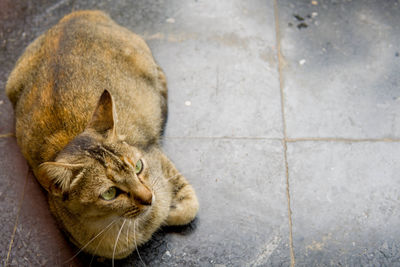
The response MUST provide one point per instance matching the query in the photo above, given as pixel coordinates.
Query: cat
(90, 105)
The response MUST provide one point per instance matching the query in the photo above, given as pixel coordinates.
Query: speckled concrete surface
(342, 75)
(273, 105)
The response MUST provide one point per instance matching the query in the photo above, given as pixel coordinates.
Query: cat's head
(98, 179)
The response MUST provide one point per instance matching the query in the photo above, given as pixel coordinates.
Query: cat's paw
(184, 207)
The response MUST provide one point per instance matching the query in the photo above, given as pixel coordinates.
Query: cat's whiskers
(116, 241)
(97, 247)
(91, 240)
(155, 182)
(127, 233)
(134, 238)
(158, 180)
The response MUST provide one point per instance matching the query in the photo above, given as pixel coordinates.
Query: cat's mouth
(132, 214)
(135, 212)
(139, 210)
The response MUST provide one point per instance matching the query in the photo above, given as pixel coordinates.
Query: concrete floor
(284, 115)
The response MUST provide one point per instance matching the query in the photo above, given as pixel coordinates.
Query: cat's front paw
(184, 207)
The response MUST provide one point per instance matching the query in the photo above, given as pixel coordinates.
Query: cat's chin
(144, 214)
(109, 253)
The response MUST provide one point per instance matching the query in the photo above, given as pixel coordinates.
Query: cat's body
(86, 144)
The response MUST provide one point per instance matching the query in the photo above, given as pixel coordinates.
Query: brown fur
(80, 140)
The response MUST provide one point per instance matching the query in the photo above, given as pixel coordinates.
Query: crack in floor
(16, 221)
(284, 142)
(7, 135)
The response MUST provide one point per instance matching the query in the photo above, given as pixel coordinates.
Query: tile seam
(222, 138)
(16, 220)
(284, 141)
(341, 140)
(5, 135)
(291, 140)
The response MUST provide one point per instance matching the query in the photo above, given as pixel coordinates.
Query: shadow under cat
(155, 251)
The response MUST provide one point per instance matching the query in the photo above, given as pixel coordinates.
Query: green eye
(110, 194)
(139, 166)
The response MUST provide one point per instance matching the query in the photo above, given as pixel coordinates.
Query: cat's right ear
(56, 177)
(104, 118)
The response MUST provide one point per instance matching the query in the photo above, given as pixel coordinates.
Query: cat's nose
(143, 195)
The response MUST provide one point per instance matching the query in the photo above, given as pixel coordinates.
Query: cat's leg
(184, 204)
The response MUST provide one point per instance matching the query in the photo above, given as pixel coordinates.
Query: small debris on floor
(302, 21)
(188, 103)
(170, 20)
(302, 62)
(302, 25)
(298, 17)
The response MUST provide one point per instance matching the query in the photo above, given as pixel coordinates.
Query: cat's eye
(139, 166)
(110, 194)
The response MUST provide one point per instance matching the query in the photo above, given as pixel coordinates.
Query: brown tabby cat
(97, 151)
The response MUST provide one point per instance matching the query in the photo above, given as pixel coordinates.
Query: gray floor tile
(228, 99)
(243, 215)
(241, 187)
(12, 179)
(341, 68)
(345, 202)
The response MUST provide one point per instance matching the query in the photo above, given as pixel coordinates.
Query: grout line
(289, 140)
(222, 138)
(284, 141)
(292, 258)
(7, 135)
(16, 220)
(348, 140)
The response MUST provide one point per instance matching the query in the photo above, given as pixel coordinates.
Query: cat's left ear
(104, 118)
(56, 177)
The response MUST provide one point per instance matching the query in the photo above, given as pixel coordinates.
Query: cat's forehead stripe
(110, 175)
(103, 155)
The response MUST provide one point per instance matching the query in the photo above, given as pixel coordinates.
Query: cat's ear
(56, 177)
(104, 117)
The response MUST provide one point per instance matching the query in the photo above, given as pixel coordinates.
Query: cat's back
(58, 80)
(82, 41)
